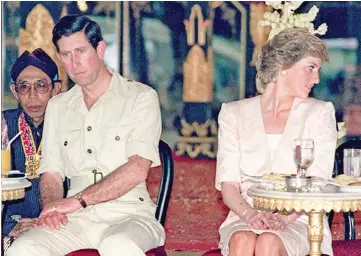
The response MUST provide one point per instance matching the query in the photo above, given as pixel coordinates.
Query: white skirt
(294, 237)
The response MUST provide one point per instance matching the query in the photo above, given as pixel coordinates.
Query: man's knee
(21, 246)
(120, 243)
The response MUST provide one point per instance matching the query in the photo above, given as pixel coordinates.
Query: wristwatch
(80, 198)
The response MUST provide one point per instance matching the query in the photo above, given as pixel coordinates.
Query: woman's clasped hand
(266, 220)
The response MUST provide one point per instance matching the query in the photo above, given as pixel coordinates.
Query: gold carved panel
(38, 34)
(198, 86)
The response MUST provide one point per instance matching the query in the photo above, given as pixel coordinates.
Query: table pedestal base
(315, 232)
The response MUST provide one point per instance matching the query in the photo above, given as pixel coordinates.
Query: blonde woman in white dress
(256, 136)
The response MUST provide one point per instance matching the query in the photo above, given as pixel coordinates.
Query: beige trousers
(132, 235)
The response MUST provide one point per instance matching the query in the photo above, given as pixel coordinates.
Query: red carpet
(196, 209)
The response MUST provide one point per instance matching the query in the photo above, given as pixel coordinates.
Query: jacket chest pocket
(70, 147)
(113, 143)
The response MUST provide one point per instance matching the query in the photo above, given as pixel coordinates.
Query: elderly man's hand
(23, 225)
(53, 220)
(66, 205)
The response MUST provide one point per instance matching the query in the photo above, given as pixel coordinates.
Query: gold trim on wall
(202, 25)
(38, 34)
(197, 71)
(15, 194)
(199, 144)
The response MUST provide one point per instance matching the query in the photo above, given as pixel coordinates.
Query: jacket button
(89, 128)
(117, 138)
(89, 151)
(65, 143)
(141, 199)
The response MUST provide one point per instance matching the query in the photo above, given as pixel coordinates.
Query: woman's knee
(269, 244)
(242, 239)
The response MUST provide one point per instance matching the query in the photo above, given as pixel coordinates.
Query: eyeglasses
(24, 88)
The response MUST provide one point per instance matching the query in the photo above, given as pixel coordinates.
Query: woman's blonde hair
(286, 49)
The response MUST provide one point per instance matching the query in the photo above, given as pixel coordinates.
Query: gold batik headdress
(283, 17)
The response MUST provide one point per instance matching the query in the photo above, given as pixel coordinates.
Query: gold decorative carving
(198, 86)
(200, 129)
(315, 209)
(194, 150)
(315, 231)
(200, 144)
(259, 34)
(306, 205)
(38, 34)
(216, 4)
(15, 194)
(196, 12)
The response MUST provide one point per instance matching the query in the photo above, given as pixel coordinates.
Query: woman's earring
(283, 72)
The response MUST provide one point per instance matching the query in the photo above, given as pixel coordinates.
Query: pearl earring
(283, 72)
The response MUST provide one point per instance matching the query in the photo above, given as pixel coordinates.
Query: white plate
(350, 189)
(251, 178)
(24, 183)
(332, 182)
(13, 180)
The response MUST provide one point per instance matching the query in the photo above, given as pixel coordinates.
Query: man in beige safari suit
(103, 135)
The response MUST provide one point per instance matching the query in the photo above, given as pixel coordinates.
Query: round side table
(314, 204)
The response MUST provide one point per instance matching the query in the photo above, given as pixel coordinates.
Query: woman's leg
(269, 244)
(242, 243)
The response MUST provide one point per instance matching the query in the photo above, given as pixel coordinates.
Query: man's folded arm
(51, 188)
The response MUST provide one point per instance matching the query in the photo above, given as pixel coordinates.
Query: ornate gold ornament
(200, 129)
(315, 209)
(196, 12)
(216, 4)
(198, 85)
(306, 205)
(38, 34)
(201, 144)
(315, 231)
(7, 195)
(32, 164)
(290, 20)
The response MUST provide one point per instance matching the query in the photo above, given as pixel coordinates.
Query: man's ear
(12, 88)
(56, 89)
(101, 49)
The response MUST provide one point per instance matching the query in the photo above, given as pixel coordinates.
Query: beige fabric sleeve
(147, 128)
(228, 156)
(51, 160)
